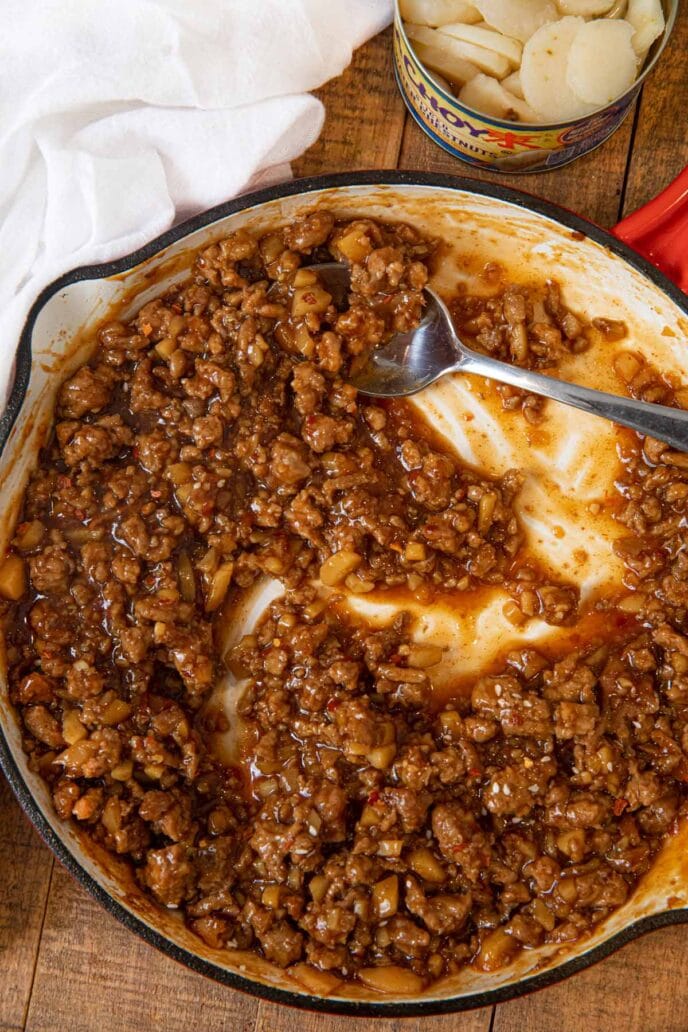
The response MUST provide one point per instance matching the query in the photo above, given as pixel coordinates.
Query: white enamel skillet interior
(570, 462)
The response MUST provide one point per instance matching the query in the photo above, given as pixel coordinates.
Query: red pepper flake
(619, 806)
(79, 514)
(373, 797)
(395, 658)
(625, 620)
(155, 493)
(333, 704)
(474, 772)
(460, 846)
(63, 481)
(207, 508)
(135, 452)
(309, 298)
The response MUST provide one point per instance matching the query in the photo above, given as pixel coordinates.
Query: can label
(488, 142)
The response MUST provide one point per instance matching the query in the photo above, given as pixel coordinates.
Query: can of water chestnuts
(508, 146)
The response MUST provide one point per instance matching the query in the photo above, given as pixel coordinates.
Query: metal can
(502, 146)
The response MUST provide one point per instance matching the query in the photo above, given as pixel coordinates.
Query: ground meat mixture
(365, 831)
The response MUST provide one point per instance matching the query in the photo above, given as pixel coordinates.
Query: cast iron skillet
(657, 231)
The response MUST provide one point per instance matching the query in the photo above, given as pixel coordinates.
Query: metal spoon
(410, 361)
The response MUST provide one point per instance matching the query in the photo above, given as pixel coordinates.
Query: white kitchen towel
(120, 117)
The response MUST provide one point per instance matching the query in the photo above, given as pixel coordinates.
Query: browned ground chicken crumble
(382, 834)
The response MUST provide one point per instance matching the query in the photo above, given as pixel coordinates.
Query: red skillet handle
(659, 231)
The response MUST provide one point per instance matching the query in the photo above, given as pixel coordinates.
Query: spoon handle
(666, 424)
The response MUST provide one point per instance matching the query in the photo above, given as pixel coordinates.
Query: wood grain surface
(67, 965)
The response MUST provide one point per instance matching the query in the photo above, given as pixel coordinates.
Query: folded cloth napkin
(120, 117)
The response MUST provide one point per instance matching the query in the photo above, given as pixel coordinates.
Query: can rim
(659, 46)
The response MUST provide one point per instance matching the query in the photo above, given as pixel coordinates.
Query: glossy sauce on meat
(373, 827)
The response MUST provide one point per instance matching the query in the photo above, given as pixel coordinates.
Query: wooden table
(64, 963)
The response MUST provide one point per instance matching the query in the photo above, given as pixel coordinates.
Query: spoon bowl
(408, 361)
